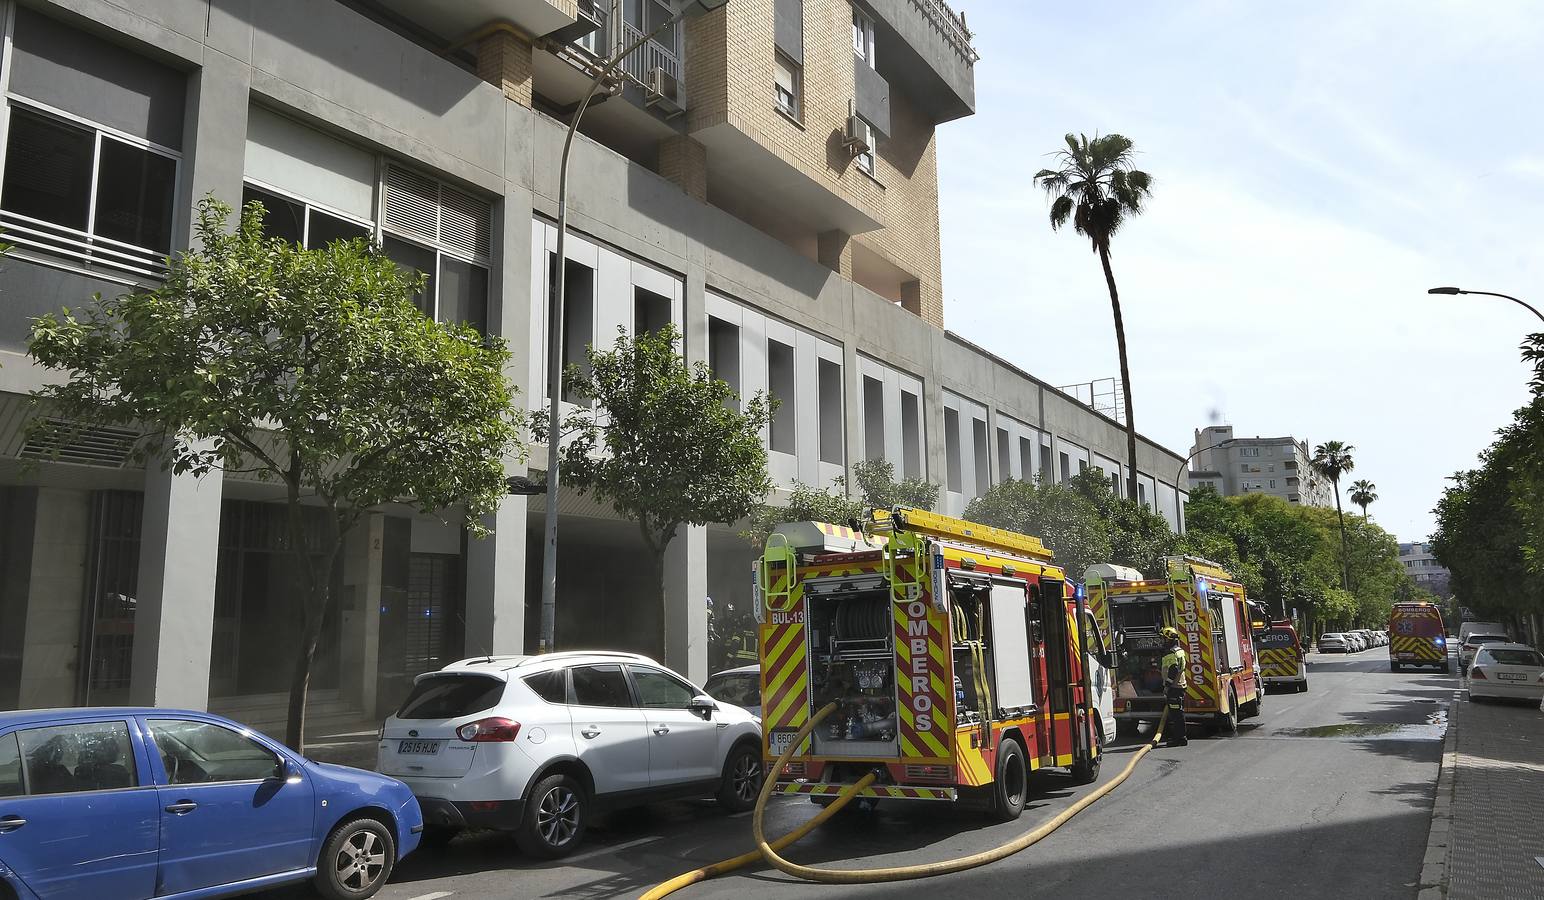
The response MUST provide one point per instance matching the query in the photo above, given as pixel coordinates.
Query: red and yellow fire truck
(950, 649)
(1212, 615)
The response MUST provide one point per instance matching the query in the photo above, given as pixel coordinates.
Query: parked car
(1355, 642)
(139, 803)
(1468, 628)
(1334, 642)
(1473, 642)
(741, 686)
(1507, 671)
(537, 744)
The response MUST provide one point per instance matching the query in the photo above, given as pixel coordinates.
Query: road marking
(437, 895)
(614, 848)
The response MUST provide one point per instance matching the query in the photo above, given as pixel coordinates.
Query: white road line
(437, 895)
(614, 848)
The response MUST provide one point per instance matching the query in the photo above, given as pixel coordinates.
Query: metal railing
(952, 24)
(94, 250)
(652, 55)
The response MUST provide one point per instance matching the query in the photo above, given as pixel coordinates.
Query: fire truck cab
(950, 649)
(1200, 600)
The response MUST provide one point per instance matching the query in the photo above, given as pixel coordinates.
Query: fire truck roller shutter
(1011, 682)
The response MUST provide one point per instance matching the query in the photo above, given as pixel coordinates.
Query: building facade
(764, 177)
(1424, 569)
(1276, 466)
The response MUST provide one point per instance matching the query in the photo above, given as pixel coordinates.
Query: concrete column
(685, 162)
(504, 61)
(686, 608)
(495, 583)
(214, 135)
(51, 655)
(360, 611)
(174, 617)
(835, 252)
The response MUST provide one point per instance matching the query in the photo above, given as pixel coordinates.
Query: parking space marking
(437, 895)
(614, 848)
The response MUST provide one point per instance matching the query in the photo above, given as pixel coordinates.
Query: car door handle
(590, 732)
(11, 823)
(182, 807)
(662, 729)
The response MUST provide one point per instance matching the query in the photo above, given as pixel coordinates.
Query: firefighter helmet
(1170, 634)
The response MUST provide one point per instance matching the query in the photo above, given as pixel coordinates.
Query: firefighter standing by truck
(1174, 666)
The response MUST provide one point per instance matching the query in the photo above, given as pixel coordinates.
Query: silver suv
(537, 744)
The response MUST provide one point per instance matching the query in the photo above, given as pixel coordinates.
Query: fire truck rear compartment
(852, 659)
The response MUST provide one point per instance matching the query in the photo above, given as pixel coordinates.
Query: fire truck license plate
(781, 739)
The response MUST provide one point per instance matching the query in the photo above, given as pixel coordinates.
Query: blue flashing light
(1441, 642)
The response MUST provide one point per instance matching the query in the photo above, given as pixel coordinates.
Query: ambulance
(1416, 636)
(1209, 609)
(957, 656)
(1280, 655)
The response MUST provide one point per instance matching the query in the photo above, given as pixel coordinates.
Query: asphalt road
(1327, 793)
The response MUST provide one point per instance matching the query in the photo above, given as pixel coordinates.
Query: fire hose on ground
(769, 851)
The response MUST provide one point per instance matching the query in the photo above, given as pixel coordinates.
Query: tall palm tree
(1363, 493)
(1332, 459)
(1096, 187)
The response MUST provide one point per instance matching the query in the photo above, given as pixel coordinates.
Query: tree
(1363, 493)
(877, 489)
(1332, 459)
(663, 445)
(1097, 188)
(310, 368)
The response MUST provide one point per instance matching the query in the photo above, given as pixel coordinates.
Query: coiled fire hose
(768, 851)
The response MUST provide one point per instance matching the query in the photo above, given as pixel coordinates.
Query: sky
(1317, 166)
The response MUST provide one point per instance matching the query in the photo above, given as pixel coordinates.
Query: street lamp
(1454, 290)
(684, 9)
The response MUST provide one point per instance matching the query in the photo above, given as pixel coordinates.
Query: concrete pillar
(360, 612)
(504, 61)
(214, 135)
(495, 583)
(686, 608)
(174, 616)
(835, 252)
(51, 655)
(685, 162)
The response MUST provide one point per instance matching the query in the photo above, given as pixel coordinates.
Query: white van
(1469, 628)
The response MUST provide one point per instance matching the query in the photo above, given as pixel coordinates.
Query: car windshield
(1509, 657)
(739, 688)
(451, 697)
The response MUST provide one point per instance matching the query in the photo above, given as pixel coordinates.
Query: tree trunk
(315, 578)
(1345, 556)
(1125, 372)
(661, 604)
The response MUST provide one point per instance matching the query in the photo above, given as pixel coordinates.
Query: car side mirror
(287, 771)
(702, 705)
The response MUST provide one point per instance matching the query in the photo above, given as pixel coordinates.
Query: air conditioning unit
(664, 91)
(859, 137)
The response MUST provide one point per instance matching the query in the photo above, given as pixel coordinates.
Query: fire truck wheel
(1012, 783)
(1087, 772)
(1227, 722)
(743, 775)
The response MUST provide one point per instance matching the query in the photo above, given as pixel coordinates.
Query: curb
(1434, 867)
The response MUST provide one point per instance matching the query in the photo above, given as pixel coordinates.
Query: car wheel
(356, 860)
(1087, 772)
(1302, 686)
(1394, 666)
(1012, 784)
(554, 819)
(743, 777)
(436, 837)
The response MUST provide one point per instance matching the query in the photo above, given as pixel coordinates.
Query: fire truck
(950, 649)
(1208, 608)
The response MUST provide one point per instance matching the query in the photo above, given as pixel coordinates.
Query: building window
(952, 460)
(873, 418)
(983, 455)
(865, 159)
(1066, 467)
(780, 385)
(1026, 459)
(74, 190)
(302, 223)
(724, 355)
(831, 419)
(788, 86)
(911, 434)
(445, 234)
(1004, 455)
(863, 37)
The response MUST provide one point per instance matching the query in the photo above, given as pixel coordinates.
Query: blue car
(121, 804)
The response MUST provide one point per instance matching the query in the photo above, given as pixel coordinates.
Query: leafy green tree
(1096, 186)
(1363, 493)
(1331, 460)
(877, 489)
(309, 368)
(663, 445)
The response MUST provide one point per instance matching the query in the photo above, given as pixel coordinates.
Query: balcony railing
(92, 250)
(652, 55)
(951, 24)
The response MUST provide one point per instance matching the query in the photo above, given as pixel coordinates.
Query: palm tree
(1363, 493)
(1096, 187)
(1332, 459)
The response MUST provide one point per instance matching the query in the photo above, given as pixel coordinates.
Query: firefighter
(1174, 665)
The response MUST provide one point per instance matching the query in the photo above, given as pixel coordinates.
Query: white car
(1472, 644)
(1334, 642)
(1507, 671)
(740, 686)
(538, 744)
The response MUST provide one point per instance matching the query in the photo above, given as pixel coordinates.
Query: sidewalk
(1488, 822)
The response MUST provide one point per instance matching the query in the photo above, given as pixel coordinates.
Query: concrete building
(1278, 466)
(765, 178)
(1424, 569)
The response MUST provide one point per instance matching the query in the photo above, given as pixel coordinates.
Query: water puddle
(1432, 729)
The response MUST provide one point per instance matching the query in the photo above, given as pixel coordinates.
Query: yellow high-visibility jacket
(1174, 665)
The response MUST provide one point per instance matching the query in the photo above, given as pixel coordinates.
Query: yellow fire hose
(768, 851)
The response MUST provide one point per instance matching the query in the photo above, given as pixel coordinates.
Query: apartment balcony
(452, 20)
(925, 51)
